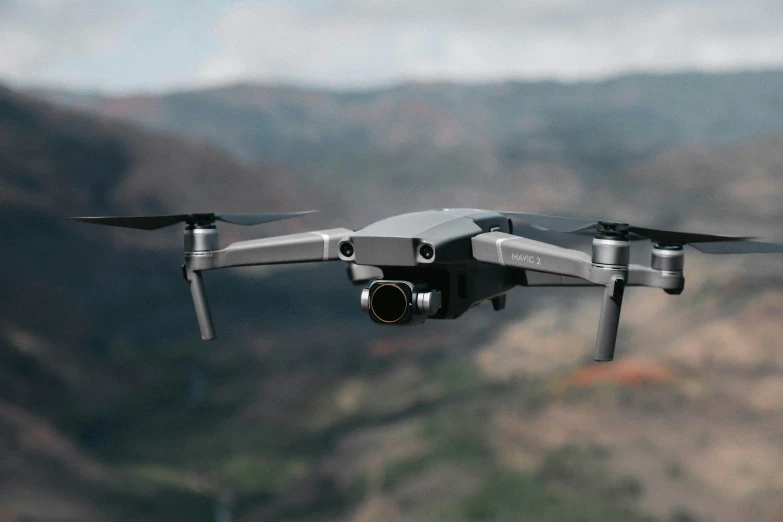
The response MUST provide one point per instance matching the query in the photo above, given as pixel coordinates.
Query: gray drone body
(438, 264)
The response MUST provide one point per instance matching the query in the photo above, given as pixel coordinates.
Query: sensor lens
(346, 249)
(389, 303)
(426, 251)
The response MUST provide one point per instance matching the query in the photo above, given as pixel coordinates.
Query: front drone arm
(201, 254)
(499, 248)
(608, 266)
(293, 248)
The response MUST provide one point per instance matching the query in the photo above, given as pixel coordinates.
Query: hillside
(303, 409)
(78, 302)
(427, 145)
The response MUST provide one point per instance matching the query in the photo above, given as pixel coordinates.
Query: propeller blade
(739, 247)
(554, 223)
(681, 238)
(156, 222)
(249, 220)
(140, 222)
(591, 226)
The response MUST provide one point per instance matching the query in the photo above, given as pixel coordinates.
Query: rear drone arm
(551, 265)
(638, 275)
(201, 254)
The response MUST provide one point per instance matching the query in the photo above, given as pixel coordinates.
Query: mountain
(303, 409)
(91, 316)
(427, 145)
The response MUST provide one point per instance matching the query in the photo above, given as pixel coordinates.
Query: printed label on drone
(526, 258)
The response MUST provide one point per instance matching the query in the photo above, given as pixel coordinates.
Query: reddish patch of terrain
(389, 346)
(628, 373)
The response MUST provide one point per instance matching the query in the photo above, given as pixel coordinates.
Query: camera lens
(426, 251)
(346, 249)
(389, 303)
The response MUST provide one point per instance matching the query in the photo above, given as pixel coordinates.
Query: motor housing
(668, 258)
(201, 238)
(611, 251)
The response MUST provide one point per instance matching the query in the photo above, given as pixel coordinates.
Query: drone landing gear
(499, 302)
(201, 237)
(611, 252)
(202, 306)
(610, 320)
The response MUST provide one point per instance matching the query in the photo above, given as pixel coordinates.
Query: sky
(123, 46)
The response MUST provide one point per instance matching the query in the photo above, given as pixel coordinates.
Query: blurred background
(662, 113)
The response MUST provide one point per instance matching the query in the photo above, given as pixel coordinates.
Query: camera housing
(399, 302)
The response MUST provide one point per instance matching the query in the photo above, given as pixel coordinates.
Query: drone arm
(570, 266)
(638, 275)
(533, 278)
(503, 249)
(293, 248)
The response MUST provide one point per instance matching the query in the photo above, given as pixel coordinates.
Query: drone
(438, 264)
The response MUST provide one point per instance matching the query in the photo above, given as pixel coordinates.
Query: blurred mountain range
(406, 145)
(110, 407)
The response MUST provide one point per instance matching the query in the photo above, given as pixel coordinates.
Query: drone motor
(201, 238)
(611, 251)
(668, 258)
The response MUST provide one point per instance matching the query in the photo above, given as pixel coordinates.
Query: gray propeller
(553, 223)
(739, 247)
(156, 222)
(592, 226)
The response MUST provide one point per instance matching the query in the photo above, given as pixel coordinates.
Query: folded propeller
(202, 219)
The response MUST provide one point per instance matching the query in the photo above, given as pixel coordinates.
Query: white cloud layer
(354, 43)
(37, 35)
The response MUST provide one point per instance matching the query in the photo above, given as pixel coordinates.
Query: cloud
(123, 45)
(36, 35)
(355, 43)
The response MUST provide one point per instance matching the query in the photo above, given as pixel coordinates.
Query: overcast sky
(130, 45)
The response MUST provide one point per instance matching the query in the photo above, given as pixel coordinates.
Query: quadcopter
(440, 263)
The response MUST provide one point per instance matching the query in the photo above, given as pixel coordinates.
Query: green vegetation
(508, 496)
(584, 468)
